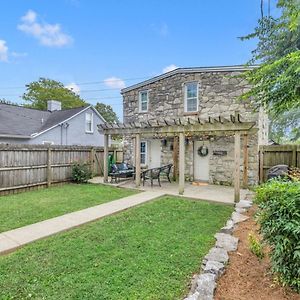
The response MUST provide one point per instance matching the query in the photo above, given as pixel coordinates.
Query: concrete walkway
(13, 239)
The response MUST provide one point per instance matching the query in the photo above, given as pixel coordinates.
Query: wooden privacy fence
(273, 155)
(32, 166)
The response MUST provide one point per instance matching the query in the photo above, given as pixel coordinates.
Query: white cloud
(169, 68)
(3, 51)
(18, 54)
(114, 82)
(73, 87)
(50, 35)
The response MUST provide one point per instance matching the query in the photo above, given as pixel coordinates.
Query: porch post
(245, 155)
(105, 158)
(138, 159)
(181, 163)
(175, 158)
(237, 152)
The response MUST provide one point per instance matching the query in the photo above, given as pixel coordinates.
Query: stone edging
(214, 263)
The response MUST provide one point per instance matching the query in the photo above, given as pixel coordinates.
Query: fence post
(261, 164)
(49, 169)
(92, 160)
(294, 156)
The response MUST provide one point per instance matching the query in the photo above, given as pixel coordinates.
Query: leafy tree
(107, 112)
(39, 92)
(276, 81)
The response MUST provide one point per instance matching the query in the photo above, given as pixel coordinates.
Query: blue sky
(90, 41)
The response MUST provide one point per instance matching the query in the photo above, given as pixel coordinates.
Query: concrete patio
(216, 193)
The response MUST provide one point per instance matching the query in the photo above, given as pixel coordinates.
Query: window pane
(144, 106)
(191, 90)
(143, 158)
(191, 104)
(143, 147)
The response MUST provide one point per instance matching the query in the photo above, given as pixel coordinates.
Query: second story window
(191, 97)
(143, 101)
(89, 122)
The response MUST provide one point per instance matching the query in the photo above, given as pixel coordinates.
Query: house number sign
(220, 152)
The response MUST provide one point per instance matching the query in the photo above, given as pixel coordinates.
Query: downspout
(66, 126)
(61, 133)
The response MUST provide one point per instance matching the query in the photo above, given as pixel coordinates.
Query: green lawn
(147, 252)
(34, 206)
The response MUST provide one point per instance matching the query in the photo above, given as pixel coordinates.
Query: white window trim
(185, 96)
(92, 122)
(47, 143)
(146, 153)
(140, 101)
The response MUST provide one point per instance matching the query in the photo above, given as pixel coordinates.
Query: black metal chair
(166, 170)
(151, 174)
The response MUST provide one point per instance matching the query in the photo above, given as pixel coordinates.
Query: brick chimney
(53, 105)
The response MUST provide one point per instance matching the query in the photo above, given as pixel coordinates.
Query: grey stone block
(240, 210)
(237, 217)
(243, 204)
(193, 296)
(206, 286)
(228, 228)
(226, 241)
(217, 254)
(214, 267)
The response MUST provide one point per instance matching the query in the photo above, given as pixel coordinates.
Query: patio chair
(166, 170)
(151, 174)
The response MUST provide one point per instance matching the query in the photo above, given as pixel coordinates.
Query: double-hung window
(143, 101)
(191, 97)
(143, 153)
(89, 122)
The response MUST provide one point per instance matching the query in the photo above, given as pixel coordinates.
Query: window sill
(192, 113)
(143, 112)
(89, 132)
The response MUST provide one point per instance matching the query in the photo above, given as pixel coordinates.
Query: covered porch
(179, 129)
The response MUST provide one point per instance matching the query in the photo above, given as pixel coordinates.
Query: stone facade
(218, 95)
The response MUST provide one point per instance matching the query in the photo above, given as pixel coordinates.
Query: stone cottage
(207, 93)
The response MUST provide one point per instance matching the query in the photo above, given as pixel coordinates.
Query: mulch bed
(247, 277)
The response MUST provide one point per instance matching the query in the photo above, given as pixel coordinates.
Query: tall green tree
(39, 92)
(107, 112)
(276, 81)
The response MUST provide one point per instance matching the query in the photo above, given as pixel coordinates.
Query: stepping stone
(193, 297)
(206, 286)
(214, 267)
(240, 210)
(226, 241)
(217, 254)
(237, 217)
(228, 228)
(243, 204)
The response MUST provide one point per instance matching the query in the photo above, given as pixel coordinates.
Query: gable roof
(237, 68)
(22, 122)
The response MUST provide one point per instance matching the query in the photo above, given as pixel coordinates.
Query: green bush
(81, 172)
(256, 246)
(279, 218)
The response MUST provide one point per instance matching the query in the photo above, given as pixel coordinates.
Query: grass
(34, 206)
(147, 252)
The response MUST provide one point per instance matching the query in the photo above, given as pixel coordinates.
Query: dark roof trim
(238, 68)
(15, 136)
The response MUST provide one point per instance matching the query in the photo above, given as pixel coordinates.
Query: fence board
(272, 155)
(25, 167)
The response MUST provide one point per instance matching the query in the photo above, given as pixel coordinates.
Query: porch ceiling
(187, 125)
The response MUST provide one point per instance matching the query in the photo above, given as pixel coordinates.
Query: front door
(201, 162)
(154, 147)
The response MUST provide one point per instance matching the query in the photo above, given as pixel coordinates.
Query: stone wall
(218, 95)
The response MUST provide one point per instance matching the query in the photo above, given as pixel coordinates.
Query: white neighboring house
(75, 126)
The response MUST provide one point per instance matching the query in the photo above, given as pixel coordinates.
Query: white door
(201, 163)
(154, 153)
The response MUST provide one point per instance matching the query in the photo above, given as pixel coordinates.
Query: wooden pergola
(184, 127)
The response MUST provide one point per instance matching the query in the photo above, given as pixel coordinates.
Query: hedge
(279, 217)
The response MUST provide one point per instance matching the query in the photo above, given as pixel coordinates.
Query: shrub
(279, 218)
(81, 172)
(256, 246)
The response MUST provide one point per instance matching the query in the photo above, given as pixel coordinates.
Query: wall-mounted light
(164, 142)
